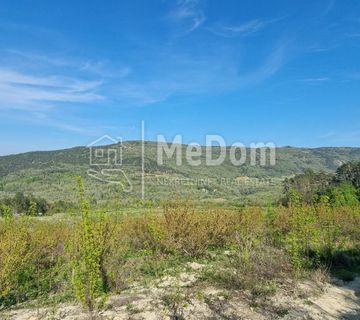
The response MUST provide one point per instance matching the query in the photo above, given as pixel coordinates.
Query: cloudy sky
(286, 72)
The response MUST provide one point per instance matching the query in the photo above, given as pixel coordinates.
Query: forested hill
(51, 173)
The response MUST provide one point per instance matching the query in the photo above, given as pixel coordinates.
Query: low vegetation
(250, 248)
(94, 254)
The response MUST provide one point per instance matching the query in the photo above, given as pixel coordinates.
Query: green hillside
(50, 174)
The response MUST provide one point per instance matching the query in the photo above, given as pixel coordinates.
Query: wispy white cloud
(31, 81)
(96, 67)
(103, 69)
(242, 30)
(36, 58)
(269, 67)
(166, 74)
(317, 48)
(37, 31)
(55, 120)
(245, 29)
(209, 74)
(344, 136)
(44, 89)
(30, 92)
(188, 16)
(315, 80)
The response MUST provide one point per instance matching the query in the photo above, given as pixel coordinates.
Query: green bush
(87, 251)
(343, 195)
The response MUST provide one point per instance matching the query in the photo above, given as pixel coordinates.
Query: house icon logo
(106, 151)
(106, 160)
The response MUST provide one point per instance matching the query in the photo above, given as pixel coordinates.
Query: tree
(344, 195)
(21, 203)
(308, 185)
(28, 204)
(349, 172)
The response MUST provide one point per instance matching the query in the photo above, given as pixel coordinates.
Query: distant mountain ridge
(51, 173)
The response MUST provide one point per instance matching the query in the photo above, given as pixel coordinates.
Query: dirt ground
(181, 298)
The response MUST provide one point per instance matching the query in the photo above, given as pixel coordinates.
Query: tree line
(21, 204)
(339, 189)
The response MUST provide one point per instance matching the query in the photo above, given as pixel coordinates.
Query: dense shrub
(89, 256)
(31, 259)
(344, 194)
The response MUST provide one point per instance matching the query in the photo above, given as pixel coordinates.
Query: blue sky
(286, 72)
